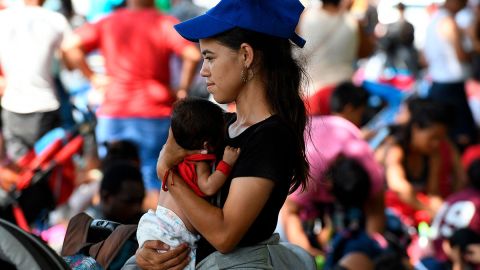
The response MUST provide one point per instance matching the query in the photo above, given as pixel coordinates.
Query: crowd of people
(241, 135)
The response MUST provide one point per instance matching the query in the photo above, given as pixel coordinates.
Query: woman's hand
(155, 255)
(172, 154)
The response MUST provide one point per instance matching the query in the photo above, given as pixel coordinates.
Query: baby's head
(198, 124)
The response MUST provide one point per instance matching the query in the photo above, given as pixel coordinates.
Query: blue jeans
(149, 134)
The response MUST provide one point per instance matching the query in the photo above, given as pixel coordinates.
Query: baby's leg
(166, 226)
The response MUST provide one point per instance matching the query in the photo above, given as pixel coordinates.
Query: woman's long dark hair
(284, 77)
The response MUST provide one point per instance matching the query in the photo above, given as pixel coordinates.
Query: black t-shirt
(267, 151)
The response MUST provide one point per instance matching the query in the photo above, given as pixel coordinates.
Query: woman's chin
(218, 99)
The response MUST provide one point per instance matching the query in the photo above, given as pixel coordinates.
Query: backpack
(109, 243)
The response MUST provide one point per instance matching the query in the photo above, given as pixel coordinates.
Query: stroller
(21, 250)
(45, 177)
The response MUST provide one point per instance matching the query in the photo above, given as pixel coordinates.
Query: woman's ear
(247, 55)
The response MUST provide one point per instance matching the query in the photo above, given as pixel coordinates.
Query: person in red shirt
(136, 43)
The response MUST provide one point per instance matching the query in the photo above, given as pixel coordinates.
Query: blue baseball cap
(277, 18)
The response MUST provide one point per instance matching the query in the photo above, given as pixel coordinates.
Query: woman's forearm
(405, 192)
(408, 196)
(398, 183)
(205, 218)
(296, 235)
(223, 227)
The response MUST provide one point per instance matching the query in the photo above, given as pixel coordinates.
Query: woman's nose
(204, 72)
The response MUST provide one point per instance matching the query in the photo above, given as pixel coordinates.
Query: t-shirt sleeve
(61, 27)
(90, 35)
(173, 40)
(267, 154)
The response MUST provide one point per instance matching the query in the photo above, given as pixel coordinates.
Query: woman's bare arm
(397, 178)
(223, 227)
(449, 30)
(190, 59)
(292, 226)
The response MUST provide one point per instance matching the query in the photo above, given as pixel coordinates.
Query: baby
(196, 124)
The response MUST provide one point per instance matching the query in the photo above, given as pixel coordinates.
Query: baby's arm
(210, 183)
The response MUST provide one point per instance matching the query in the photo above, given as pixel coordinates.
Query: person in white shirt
(332, 48)
(448, 67)
(29, 38)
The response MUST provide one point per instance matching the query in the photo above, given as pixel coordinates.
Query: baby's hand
(230, 155)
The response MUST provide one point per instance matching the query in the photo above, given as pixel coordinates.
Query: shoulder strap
(105, 251)
(76, 235)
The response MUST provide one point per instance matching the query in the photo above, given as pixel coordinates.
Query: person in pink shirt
(136, 43)
(331, 137)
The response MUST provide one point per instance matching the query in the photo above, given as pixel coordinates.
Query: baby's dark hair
(196, 121)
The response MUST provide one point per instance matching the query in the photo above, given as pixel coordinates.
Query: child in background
(350, 186)
(121, 150)
(196, 124)
(121, 193)
(459, 243)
